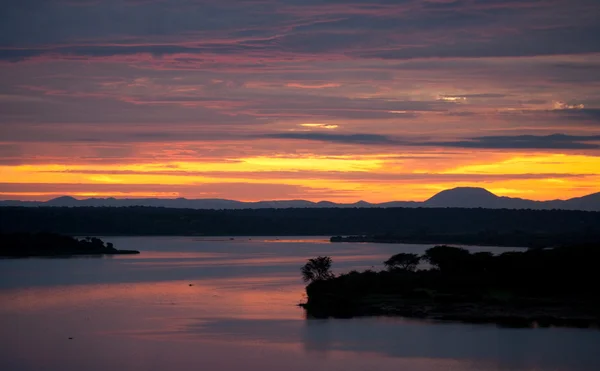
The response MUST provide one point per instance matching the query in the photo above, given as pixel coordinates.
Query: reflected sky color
(287, 99)
(240, 317)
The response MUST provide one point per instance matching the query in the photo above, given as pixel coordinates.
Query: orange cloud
(320, 126)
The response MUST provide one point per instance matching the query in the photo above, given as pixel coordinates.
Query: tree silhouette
(447, 258)
(317, 269)
(407, 262)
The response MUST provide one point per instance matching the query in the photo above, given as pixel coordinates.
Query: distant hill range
(462, 197)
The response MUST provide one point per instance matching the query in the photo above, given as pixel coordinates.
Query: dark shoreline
(519, 315)
(423, 241)
(524, 240)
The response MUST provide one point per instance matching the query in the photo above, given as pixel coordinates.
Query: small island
(23, 245)
(536, 287)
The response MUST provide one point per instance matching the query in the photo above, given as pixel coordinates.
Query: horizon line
(149, 197)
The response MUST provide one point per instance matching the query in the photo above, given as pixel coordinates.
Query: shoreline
(523, 241)
(430, 242)
(508, 315)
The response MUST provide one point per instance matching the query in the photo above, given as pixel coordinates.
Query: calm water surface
(218, 304)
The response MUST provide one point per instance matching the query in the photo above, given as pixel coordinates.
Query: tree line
(419, 225)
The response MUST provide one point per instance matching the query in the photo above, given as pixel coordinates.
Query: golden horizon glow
(374, 178)
(536, 164)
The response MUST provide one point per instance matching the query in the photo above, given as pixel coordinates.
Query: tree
(404, 261)
(447, 258)
(317, 269)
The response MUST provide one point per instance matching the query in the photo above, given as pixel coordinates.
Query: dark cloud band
(555, 141)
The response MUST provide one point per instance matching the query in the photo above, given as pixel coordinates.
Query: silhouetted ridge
(461, 197)
(589, 202)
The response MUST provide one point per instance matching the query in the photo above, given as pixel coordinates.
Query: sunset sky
(299, 99)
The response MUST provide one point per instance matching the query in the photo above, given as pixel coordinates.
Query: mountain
(63, 201)
(464, 197)
(470, 197)
(461, 197)
(587, 203)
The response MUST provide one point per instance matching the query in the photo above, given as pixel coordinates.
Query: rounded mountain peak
(62, 199)
(463, 197)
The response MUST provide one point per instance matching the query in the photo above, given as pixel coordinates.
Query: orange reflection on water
(250, 261)
(313, 240)
(251, 297)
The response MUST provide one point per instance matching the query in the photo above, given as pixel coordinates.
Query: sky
(340, 100)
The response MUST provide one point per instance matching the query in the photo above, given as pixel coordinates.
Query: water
(220, 304)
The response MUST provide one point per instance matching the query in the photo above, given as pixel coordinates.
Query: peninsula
(536, 287)
(23, 245)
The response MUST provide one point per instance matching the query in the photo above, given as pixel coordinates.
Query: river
(190, 303)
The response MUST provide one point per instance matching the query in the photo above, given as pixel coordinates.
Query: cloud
(591, 115)
(320, 126)
(554, 141)
(313, 85)
(464, 97)
(452, 98)
(269, 29)
(550, 41)
(368, 139)
(287, 175)
(563, 105)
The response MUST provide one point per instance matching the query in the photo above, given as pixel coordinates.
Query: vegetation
(22, 245)
(317, 269)
(545, 286)
(404, 261)
(499, 227)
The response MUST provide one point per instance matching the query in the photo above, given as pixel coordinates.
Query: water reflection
(507, 349)
(187, 304)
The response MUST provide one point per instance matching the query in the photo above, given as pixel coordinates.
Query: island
(536, 287)
(23, 245)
